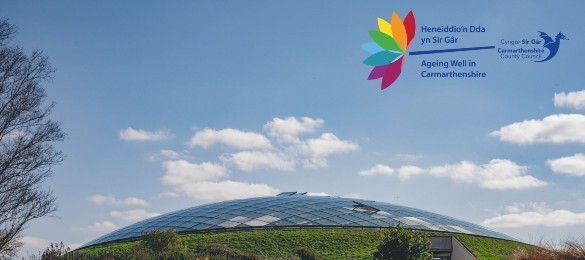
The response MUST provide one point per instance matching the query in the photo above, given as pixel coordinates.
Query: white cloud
(98, 227)
(561, 128)
(131, 201)
(571, 165)
(223, 190)
(405, 156)
(101, 199)
(253, 160)
(173, 155)
(319, 148)
(209, 181)
(378, 169)
(111, 200)
(258, 152)
(203, 182)
(170, 154)
(497, 174)
(233, 138)
(35, 242)
(131, 134)
(405, 172)
(167, 154)
(574, 99)
(288, 129)
(537, 214)
(182, 171)
(328, 144)
(133, 215)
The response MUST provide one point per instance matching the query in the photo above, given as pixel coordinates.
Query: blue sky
(168, 106)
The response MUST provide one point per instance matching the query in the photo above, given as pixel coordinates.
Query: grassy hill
(330, 243)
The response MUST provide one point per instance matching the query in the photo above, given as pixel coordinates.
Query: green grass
(102, 249)
(330, 243)
(488, 248)
(485, 248)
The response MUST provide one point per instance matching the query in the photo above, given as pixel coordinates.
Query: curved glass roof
(291, 209)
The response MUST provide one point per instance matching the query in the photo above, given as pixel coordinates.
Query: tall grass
(568, 250)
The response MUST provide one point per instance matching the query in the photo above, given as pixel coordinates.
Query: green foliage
(222, 251)
(156, 244)
(307, 254)
(159, 241)
(110, 251)
(281, 244)
(161, 244)
(570, 250)
(403, 244)
(334, 243)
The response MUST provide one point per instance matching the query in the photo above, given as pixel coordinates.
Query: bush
(155, 244)
(54, 252)
(401, 244)
(218, 250)
(569, 251)
(307, 254)
(159, 241)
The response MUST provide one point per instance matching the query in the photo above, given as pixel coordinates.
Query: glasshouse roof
(296, 210)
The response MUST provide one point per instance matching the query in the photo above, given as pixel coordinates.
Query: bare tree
(27, 136)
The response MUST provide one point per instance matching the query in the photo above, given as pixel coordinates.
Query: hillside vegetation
(327, 243)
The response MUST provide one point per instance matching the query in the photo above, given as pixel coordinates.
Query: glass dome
(292, 209)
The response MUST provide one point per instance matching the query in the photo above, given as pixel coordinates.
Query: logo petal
(410, 26)
(398, 30)
(392, 73)
(372, 47)
(385, 41)
(378, 72)
(385, 26)
(382, 58)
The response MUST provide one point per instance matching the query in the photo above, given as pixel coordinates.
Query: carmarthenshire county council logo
(551, 45)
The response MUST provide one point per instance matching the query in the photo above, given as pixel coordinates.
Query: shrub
(402, 244)
(159, 241)
(569, 251)
(307, 254)
(218, 250)
(56, 251)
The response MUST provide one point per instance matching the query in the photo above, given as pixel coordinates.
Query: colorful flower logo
(388, 48)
